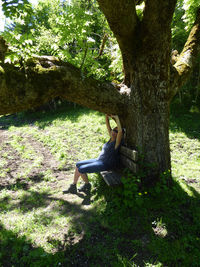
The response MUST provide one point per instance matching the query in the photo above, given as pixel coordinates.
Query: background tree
(183, 19)
(150, 80)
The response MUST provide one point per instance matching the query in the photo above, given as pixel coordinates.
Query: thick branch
(158, 14)
(122, 18)
(185, 63)
(156, 23)
(45, 78)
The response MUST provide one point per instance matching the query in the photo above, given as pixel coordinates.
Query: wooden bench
(128, 159)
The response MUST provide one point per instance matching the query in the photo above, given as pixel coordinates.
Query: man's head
(114, 132)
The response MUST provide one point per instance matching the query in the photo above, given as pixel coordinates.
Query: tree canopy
(73, 32)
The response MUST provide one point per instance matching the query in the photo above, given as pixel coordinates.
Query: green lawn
(124, 226)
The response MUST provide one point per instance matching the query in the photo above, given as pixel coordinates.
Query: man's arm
(120, 132)
(108, 125)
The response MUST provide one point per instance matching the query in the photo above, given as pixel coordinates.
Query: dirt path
(14, 169)
(32, 182)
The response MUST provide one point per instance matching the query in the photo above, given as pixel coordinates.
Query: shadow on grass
(18, 251)
(21, 183)
(161, 227)
(185, 121)
(43, 118)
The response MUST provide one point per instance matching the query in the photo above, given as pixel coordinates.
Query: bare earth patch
(20, 173)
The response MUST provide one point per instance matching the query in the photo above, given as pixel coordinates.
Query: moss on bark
(46, 78)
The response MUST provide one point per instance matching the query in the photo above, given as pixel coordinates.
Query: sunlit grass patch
(72, 140)
(48, 176)
(3, 163)
(185, 155)
(36, 216)
(22, 146)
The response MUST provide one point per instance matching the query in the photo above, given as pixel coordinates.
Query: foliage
(190, 8)
(131, 192)
(179, 34)
(14, 8)
(71, 31)
(183, 20)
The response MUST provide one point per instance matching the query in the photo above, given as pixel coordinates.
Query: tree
(150, 80)
(68, 31)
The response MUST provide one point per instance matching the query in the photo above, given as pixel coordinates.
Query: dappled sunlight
(190, 190)
(37, 164)
(61, 225)
(41, 216)
(185, 147)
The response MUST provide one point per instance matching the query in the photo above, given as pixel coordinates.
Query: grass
(122, 226)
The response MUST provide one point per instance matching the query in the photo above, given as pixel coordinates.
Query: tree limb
(181, 70)
(105, 38)
(45, 78)
(158, 13)
(156, 23)
(122, 18)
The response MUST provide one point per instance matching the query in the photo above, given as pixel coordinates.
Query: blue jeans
(91, 165)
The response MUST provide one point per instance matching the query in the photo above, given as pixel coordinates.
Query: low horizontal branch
(44, 78)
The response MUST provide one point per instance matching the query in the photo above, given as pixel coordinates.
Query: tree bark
(147, 120)
(148, 69)
(45, 78)
(123, 21)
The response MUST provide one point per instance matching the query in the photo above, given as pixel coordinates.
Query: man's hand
(114, 117)
(108, 115)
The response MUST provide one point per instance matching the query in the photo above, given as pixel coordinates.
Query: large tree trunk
(148, 133)
(147, 119)
(147, 73)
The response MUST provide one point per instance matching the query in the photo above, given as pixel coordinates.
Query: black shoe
(85, 188)
(72, 189)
